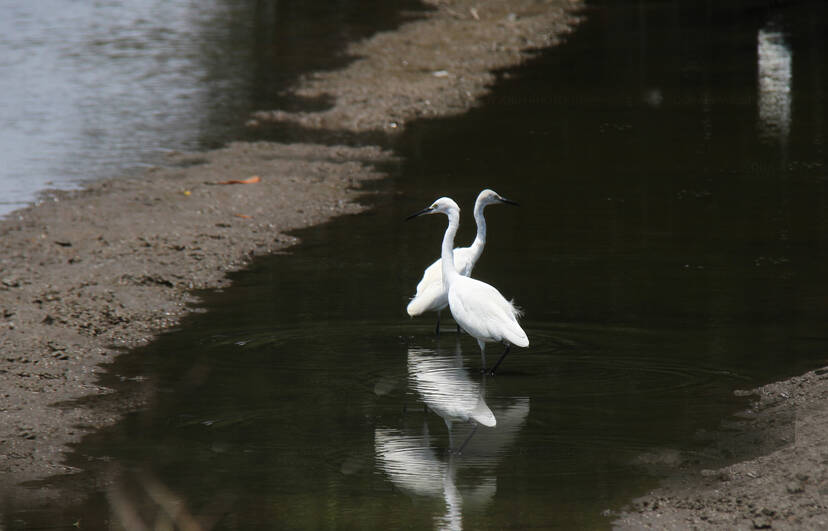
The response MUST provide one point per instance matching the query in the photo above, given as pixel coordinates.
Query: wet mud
(87, 274)
(438, 66)
(764, 469)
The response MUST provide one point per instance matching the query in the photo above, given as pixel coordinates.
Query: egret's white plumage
(477, 307)
(484, 313)
(432, 294)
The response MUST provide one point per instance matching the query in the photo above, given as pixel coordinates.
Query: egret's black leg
(496, 365)
(458, 329)
(459, 450)
(482, 356)
(437, 330)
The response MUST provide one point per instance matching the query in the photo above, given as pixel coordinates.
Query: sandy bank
(779, 482)
(438, 66)
(86, 273)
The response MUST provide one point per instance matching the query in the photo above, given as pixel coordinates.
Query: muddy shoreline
(438, 66)
(90, 273)
(766, 468)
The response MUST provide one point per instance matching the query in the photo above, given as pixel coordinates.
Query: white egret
(477, 307)
(431, 293)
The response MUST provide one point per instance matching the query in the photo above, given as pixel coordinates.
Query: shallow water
(669, 249)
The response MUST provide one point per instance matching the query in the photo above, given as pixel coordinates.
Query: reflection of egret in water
(489, 446)
(415, 465)
(775, 73)
(447, 389)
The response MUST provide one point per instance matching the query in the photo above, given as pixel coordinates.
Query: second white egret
(478, 307)
(431, 293)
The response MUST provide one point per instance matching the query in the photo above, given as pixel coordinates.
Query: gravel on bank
(86, 274)
(779, 479)
(437, 66)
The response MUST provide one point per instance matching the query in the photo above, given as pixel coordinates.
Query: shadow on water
(670, 248)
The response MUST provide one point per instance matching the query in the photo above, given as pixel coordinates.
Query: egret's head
(444, 205)
(490, 197)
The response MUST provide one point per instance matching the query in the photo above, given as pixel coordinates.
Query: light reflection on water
(92, 90)
(775, 73)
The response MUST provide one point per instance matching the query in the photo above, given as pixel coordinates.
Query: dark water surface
(670, 248)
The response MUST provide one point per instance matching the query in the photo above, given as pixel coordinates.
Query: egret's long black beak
(420, 213)
(508, 201)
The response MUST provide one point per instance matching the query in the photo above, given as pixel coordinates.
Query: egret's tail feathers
(517, 311)
(516, 335)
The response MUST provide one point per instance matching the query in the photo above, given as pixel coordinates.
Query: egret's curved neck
(447, 254)
(479, 240)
